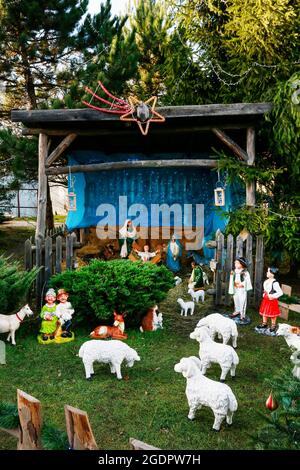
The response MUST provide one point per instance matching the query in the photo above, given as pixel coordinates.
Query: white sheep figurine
(177, 280)
(201, 391)
(293, 341)
(224, 327)
(196, 295)
(112, 352)
(11, 323)
(211, 352)
(186, 306)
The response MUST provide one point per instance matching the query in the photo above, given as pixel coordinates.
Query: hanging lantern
(72, 201)
(271, 403)
(219, 193)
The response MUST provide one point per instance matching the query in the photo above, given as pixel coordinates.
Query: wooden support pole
(188, 162)
(250, 187)
(42, 187)
(231, 144)
(60, 148)
(30, 421)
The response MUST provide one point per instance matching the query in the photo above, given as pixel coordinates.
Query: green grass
(149, 404)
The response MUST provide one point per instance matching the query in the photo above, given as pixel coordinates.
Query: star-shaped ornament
(142, 113)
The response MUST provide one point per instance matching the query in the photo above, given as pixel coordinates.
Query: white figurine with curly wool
(293, 341)
(211, 352)
(220, 325)
(196, 295)
(186, 306)
(112, 352)
(201, 391)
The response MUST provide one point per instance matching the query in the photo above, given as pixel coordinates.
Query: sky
(118, 6)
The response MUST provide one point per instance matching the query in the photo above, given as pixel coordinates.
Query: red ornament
(271, 403)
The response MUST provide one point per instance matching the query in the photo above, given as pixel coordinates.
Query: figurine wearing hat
(64, 311)
(239, 285)
(49, 316)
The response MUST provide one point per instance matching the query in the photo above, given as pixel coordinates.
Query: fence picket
(48, 259)
(58, 254)
(219, 269)
(228, 267)
(259, 270)
(28, 255)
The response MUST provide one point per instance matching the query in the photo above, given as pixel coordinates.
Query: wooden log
(58, 254)
(140, 445)
(250, 187)
(30, 421)
(42, 187)
(79, 430)
(259, 270)
(186, 163)
(28, 255)
(219, 268)
(228, 267)
(40, 275)
(48, 259)
(60, 148)
(239, 246)
(231, 144)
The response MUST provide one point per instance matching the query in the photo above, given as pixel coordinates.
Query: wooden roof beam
(230, 143)
(65, 143)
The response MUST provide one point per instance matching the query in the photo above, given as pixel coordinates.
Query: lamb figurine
(177, 280)
(196, 295)
(186, 306)
(293, 341)
(222, 326)
(201, 391)
(211, 352)
(113, 352)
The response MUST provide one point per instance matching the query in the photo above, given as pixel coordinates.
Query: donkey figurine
(115, 332)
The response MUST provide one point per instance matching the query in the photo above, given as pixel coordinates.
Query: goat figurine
(196, 295)
(116, 331)
(186, 306)
(10, 323)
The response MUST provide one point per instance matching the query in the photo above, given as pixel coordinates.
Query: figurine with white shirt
(239, 285)
(64, 312)
(269, 307)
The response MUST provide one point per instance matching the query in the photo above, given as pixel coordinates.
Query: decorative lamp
(219, 193)
(72, 206)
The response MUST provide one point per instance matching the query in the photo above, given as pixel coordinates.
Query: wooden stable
(221, 126)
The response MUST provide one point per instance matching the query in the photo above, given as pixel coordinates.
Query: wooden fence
(51, 254)
(226, 251)
(79, 430)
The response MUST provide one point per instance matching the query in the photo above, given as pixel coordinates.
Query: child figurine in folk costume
(64, 311)
(196, 280)
(49, 317)
(269, 307)
(239, 285)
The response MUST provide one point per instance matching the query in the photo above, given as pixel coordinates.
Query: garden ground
(149, 404)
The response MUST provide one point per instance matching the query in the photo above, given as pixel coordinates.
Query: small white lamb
(112, 352)
(177, 280)
(196, 295)
(201, 391)
(211, 352)
(186, 306)
(293, 341)
(220, 325)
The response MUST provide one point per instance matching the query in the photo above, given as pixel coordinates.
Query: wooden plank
(187, 163)
(28, 255)
(42, 187)
(48, 259)
(69, 252)
(231, 144)
(2, 353)
(12, 432)
(82, 115)
(58, 254)
(57, 152)
(228, 267)
(239, 246)
(219, 268)
(30, 421)
(286, 289)
(40, 276)
(79, 430)
(140, 445)
(250, 187)
(259, 270)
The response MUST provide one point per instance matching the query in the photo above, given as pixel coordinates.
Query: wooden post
(140, 445)
(250, 187)
(48, 259)
(239, 246)
(259, 270)
(40, 276)
(228, 267)
(58, 254)
(79, 430)
(219, 269)
(42, 187)
(30, 421)
(28, 255)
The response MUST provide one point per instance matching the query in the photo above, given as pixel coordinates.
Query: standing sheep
(201, 391)
(222, 326)
(211, 352)
(109, 352)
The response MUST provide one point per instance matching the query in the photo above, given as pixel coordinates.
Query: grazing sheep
(112, 352)
(177, 280)
(196, 295)
(293, 341)
(201, 391)
(10, 323)
(222, 326)
(210, 352)
(186, 306)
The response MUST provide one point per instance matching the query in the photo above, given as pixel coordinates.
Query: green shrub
(101, 287)
(15, 284)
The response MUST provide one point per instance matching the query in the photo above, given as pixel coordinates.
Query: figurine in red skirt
(269, 306)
